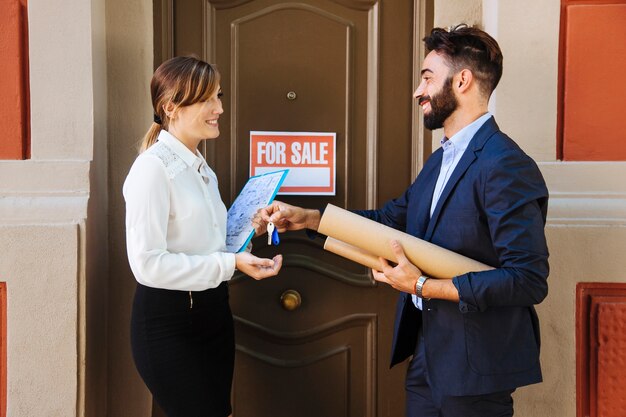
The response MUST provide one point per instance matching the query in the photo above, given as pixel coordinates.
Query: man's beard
(442, 105)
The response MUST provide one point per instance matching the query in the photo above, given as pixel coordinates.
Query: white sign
(309, 156)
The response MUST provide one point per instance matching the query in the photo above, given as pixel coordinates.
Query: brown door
(350, 65)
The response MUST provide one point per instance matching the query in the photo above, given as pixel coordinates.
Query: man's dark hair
(471, 48)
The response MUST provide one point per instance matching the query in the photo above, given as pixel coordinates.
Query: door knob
(290, 300)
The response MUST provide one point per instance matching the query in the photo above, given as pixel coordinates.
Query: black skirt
(183, 347)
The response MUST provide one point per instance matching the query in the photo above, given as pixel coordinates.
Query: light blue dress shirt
(453, 150)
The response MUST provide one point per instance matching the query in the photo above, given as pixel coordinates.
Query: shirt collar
(463, 137)
(180, 149)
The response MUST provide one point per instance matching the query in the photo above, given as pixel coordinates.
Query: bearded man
(473, 339)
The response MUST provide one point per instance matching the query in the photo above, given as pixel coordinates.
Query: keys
(275, 238)
(270, 231)
(272, 234)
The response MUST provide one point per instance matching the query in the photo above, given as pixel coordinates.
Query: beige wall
(129, 57)
(587, 216)
(40, 265)
(51, 260)
(526, 98)
(452, 12)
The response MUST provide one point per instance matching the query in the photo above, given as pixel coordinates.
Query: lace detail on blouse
(174, 165)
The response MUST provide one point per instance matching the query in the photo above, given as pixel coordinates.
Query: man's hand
(403, 276)
(285, 217)
(258, 268)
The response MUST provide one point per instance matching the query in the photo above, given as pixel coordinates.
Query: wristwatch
(419, 285)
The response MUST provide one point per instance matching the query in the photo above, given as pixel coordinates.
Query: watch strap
(419, 285)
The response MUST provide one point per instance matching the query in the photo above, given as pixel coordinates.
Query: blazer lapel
(423, 205)
(468, 158)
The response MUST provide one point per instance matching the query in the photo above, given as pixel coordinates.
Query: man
(473, 339)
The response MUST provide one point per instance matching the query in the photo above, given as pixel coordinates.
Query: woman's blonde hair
(181, 81)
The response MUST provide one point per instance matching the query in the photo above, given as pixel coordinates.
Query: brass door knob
(290, 300)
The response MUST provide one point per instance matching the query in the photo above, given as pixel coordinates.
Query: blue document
(258, 192)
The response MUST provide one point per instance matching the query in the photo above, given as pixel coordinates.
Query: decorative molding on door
(209, 39)
(353, 4)
(316, 265)
(363, 5)
(421, 143)
(167, 30)
(335, 362)
(322, 268)
(228, 4)
(330, 270)
(305, 336)
(373, 57)
(209, 36)
(299, 363)
(366, 321)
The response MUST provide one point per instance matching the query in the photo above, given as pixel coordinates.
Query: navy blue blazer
(493, 209)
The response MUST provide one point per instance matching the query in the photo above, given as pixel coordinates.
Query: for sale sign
(309, 156)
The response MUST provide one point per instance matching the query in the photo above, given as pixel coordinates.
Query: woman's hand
(258, 268)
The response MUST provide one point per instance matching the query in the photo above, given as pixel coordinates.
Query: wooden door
(352, 65)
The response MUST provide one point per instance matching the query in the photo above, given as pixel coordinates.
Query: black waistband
(218, 293)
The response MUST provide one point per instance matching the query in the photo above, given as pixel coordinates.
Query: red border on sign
(284, 159)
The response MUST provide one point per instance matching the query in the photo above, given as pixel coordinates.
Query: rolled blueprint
(363, 240)
(352, 253)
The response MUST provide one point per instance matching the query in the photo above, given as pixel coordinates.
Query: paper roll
(352, 252)
(373, 238)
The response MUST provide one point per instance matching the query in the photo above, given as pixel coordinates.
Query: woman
(181, 325)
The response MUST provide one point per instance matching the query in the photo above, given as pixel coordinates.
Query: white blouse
(175, 219)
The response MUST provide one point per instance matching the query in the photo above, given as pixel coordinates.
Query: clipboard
(258, 192)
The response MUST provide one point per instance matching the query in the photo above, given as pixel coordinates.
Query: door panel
(321, 356)
(266, 49)
(329, 356)
(291, 42)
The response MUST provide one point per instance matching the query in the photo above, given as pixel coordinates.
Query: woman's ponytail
(150, 137)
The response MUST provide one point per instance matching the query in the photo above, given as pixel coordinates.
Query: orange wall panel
(611, 331)
(14, 119)
(601, 350)
(593, 89)
(3, 349)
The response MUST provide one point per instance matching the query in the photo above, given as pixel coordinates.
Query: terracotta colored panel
(600, 350)
(13, 81)
(611, 326)
(593, 90)
(3, 349)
